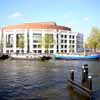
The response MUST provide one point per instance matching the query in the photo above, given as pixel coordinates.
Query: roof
(41, 25)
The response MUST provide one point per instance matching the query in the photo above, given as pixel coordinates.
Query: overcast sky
(80, 15)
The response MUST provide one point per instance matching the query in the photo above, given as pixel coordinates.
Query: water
(38, 80)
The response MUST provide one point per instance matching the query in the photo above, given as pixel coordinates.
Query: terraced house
(29, 37)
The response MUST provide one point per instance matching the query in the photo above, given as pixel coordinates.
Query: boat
(4, 57)
(46, 57)
(25, 56)
(75, 57)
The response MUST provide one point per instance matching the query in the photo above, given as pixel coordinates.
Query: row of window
(17, 51)
(65, 51)
(65, 46)
(40, 51)
(65, 41)
(39, 46)
(70, 36)
(37, 51)
(36, 46)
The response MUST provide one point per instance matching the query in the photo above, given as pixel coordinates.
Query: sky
(80, 15)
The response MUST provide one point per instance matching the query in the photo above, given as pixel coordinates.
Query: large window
(9, 40)
(36, 37)
(49, 40)
(20, 41)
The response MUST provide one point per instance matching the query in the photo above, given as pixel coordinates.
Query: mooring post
(90, 82)
(86, 70)
(72, 75)
(84, 73)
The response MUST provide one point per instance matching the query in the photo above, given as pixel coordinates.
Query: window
(65, 51)
(69, 41)
(37, 35)
(51, 51)
(69, 36)
(65, 41)
(51, 46)
(57, 50)
(7, 51)
(9, 40)
(61, 41)
(73, 37)
(34, 46)
(17, 51)
(61, 50)
(34, 51)
(35, 41)
(73, 46)
(61, 46)
(39, 51)
(22, 51)
(20, 41)
(73, 41)
(39, 46)
(65, 46)
(11, 51)
(65, 36)
(61, 36)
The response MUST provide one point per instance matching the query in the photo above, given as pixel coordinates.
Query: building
(25, 38)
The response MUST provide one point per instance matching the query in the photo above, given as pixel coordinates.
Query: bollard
(90, 82)
(83, 76)
(84, 73)
(72, 75)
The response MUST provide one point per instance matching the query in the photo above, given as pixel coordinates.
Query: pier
(83, 82)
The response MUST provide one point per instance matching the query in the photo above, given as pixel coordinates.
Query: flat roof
(40, 25)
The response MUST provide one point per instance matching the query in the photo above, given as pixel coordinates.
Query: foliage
(94, 39)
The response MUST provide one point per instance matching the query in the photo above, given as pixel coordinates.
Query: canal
(41, 80)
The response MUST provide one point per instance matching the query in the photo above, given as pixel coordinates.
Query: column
(30, 41)
(14, 39)
(43, 35)
(55, 42)
(25, 41)
(4, 42)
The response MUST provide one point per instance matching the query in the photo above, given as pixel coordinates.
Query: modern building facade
(29, 37)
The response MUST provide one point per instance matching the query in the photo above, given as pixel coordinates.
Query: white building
(30, 34)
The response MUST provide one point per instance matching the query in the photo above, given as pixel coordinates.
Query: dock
(83, 82)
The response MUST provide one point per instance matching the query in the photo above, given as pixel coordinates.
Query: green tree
(93, 40)
(47, 42)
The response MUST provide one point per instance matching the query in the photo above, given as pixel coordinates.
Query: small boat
(4, 57)
(75, 57)
(46, 57)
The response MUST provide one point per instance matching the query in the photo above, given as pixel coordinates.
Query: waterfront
(40, 80)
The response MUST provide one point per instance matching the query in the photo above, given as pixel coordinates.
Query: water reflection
(40, 80)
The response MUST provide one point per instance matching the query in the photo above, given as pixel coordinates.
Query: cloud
(15, 16)
(86, 18)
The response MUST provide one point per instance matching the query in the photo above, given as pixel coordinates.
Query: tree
(47, 42)
(93, 40)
